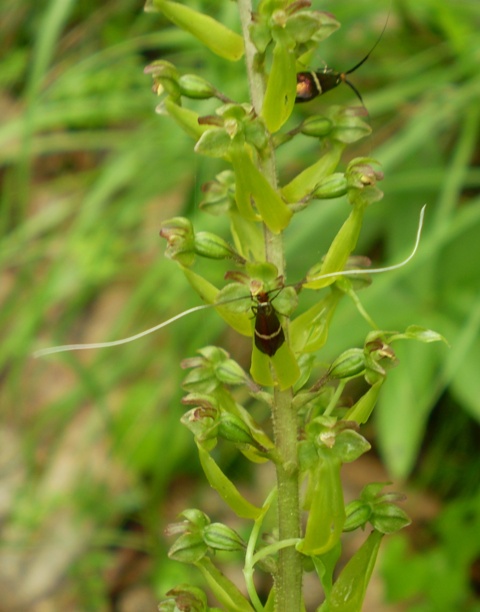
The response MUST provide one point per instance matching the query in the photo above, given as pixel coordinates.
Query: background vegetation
(94, 462)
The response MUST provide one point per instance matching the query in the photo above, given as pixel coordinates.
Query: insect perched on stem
(269, 334)
(312, 84)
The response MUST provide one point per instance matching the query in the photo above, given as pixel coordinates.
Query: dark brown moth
(269, 334)
(311, 84)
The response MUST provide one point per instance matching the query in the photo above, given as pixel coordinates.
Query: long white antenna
(378, 270)
(96, 345)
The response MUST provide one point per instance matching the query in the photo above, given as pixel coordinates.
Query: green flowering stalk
(314, 434)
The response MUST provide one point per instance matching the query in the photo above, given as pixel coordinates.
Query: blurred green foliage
(440, 578)
(92, 442)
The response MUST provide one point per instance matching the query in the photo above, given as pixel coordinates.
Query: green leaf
(326, 515)
(309, 331)
(416, 332)
(285, 366)
(223, 589)
(243, 189)
(252, 184)
(342, 246)
(405, 404)
(305, 182)
(186, 119)
(211, 33)
(349, 590)
(248, 236)
(325, 566)
(281, 88)
(466, 382)
(240, 322)
(270, 605)
(225, 488)
(260, 368)
(360, 412)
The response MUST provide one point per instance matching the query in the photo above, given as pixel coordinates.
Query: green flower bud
(194, 521)
(349, 364)
(188, 548)
(348, 124)
(196, 518)
(317, 126)
(220, 537)
(212, 368)
(230, 373)
(389, 518)
(350, 130)
(362, 180)
(383, 513)
(361, 174)
(309, 27)
(162, 68)
(380, 357)
(214, 143)
(165, 77)
(201, 423)
(178, 228)
(358, 513)
(349, 444)
(207, 244)
(184, 597)
(204, 401)
(236, 112)
(256, 135)
(233, 429)
(261, 36)
(180, 240)
(333, 186)
(193, 86)
(200, 380)
(219, 195)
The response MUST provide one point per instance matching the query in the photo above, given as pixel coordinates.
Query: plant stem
(288, 578)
